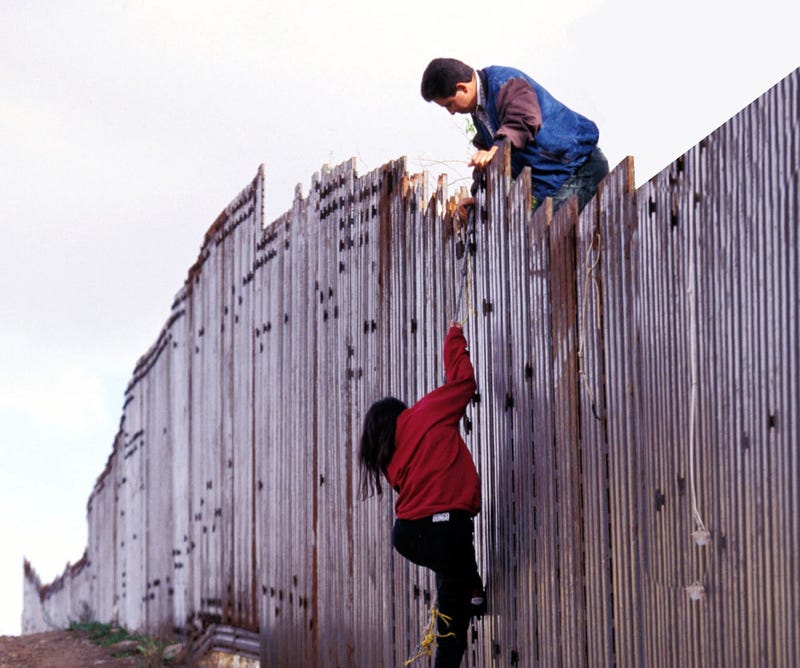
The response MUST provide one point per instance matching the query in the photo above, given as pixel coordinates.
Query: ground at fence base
(74, 649)
(58, 649)
(217, 658)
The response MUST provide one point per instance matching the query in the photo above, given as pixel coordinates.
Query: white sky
(126, 126)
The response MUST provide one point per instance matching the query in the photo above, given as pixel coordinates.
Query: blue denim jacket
(561, 145)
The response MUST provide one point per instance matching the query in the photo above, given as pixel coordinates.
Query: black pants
(584, 181)
(447, 548)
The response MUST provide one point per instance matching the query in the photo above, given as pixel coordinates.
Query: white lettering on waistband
(441, 517)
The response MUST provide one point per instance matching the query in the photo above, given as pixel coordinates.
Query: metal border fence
(635, 425)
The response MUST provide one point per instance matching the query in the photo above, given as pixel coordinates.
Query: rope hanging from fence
(428, 642)
(701, 533)
(589, 280)
(465, 285)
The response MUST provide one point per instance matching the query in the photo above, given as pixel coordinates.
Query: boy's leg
(584, 181)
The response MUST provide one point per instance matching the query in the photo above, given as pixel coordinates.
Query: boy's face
(463, 101)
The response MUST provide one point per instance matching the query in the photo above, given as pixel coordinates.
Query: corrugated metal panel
(159, 495)
(591, 393)
(617, 226)
(132, 510)
(179, 404)
(101, 513)
(636, 369)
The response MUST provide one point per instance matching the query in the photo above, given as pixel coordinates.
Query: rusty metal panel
(33, 614)
(399, 229)
(295, 521)
(301, 424)
(132, 509)
(524, 250)
(545, 489)
(200, 383)
(101, 513)
(237, 515)
(284, 513)
(266, 415)
(569, 611)
(721, 286)
(493, 416)
(617, 225)
(417, 593)
(334, 607)
(593, 419)
(157, 443)
(206, 483)
(478, 420)
(663, 316)
(539, 399)
(360, 246)
(80, 589)
(222, 523)
(181, 353)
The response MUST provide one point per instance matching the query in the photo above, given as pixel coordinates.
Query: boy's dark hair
(441, 76)
(377, 443)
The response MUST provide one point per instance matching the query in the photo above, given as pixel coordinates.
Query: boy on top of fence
(558, 144)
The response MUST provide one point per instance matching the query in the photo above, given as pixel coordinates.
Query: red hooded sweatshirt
(431, 469)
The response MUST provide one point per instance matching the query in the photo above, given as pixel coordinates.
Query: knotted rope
(466, 271)
(428, 642)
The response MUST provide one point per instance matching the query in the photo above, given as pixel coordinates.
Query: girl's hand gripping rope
(465, 286)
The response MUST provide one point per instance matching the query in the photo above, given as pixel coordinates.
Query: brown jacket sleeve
(520, 118)
(519, 113)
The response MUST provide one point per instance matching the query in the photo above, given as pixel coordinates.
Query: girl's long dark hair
(377, 443)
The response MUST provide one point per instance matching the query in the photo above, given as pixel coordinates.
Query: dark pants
(584, 181)
(446, 548)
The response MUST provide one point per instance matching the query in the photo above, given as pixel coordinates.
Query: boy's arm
(519, 113)
(520, 119)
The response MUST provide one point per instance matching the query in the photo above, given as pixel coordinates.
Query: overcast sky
(126, 126)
